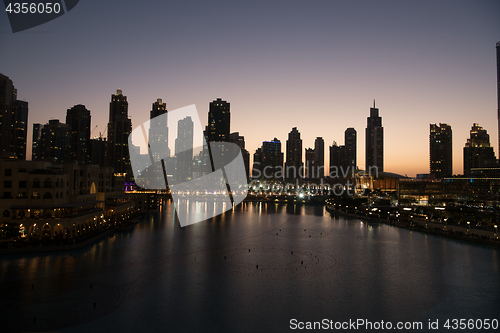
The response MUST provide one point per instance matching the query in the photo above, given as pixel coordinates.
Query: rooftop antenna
(374, 103)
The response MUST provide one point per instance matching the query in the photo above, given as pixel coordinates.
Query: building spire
(374, 103)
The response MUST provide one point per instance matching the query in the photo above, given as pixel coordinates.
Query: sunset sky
(314, 65)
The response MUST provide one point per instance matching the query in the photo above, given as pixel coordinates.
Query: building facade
(477, 151)
(374, 141)
(294, 166)
(13, 120)
(441, 150)
(78, 119)
(219, 121)
(119, 129)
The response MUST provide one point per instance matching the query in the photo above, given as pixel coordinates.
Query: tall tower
(477, 151)
(319, 157)
(13, 120)
(158, 131)
(272, 160)
(184, 149)
(240, 141)
(119, 128)
(374, 141)
(498, 93)
(219, 119)
(55, 142)
(78, 119)
(350, 144)
(35, 144)
(294, 165)
(440, 150)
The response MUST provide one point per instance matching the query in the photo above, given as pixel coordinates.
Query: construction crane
(93, 130)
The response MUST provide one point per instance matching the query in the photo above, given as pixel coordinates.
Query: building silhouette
(158, 131)
(219, 120)
(119, 128)
(374, 141)
(294, 166)
(335, 159)
(78, 119)
(268, 161)
(98, 147)
(310, 158)
(240, 141)
(343, 158)
(35, 141)
(55, 142)
(498, 92)
(350, 143)
(257, 164)
(13, 120)
(319, 157)
(477, 151)
(441, 150)
(184, 150)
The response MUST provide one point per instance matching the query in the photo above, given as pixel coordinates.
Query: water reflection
(159, 276)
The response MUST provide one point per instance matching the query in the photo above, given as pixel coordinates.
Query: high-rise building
(78, 119)
(374, 141)
(350, 143)
(477, 151)
(240, 141)
(257, 164)
(319, 157)
(35, 142)
(119, 128)
(158, 131)
(184, 149)
(335, 159)
(13, 120)
(272, 160)
(55, 142)
(440, 150)
(294, 165)
(219, 120)
(98, 147)
(310, 172)
(498, 93)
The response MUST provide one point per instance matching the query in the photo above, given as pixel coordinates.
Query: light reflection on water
(149, 279)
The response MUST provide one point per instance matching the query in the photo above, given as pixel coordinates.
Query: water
(161, 277)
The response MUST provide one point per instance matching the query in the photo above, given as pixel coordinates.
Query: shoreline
(417, 226)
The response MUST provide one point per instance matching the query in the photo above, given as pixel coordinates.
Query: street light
(468, 226)
(495, 229)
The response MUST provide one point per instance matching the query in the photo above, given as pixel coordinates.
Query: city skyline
(317, 68)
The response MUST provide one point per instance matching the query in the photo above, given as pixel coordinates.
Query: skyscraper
(119, 128)
(374, 141)
(350, 143)
(335, 159)
(440, 150)
(184, 149)
(240, 141)
(498, 93)
(219, 119)
(158, 131)
(272, 160)
(477, 151)
(35, 142)
(13, 120)
(294, 165)
(78, 119)
(20, 130)
(55, 142)
(310, 172)
(319, 157)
